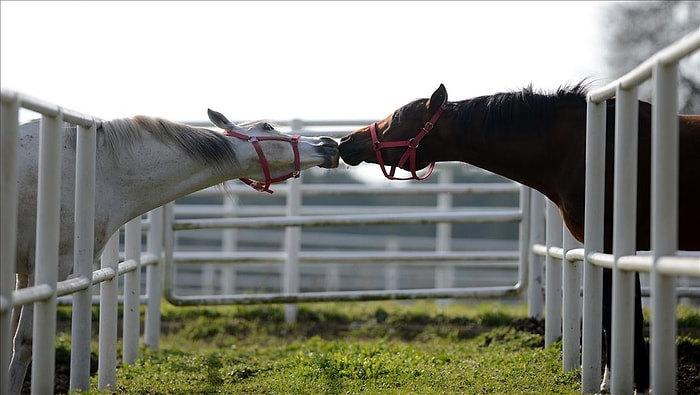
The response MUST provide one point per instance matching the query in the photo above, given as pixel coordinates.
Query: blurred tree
(635, 30)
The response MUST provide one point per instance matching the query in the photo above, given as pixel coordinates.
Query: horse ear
(438, 98)
(220, 120)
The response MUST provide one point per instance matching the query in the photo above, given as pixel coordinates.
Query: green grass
(350, 348)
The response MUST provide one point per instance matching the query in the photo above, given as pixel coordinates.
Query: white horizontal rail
(32, 294)
(42, 292)
(361, 189)
(686, 263)
(46, 108)
(673, 53)
(473, 292)
(467, 258)
(366, 219)
(214, 210)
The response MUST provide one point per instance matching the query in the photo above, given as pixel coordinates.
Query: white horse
(143, 163)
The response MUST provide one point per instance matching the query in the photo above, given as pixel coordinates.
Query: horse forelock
(203, 145)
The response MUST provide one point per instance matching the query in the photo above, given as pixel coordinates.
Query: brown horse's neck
(531, 147)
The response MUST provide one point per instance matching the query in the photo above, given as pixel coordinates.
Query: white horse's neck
(153, 173)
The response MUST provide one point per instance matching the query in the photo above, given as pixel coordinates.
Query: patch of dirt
(62, 374)
(688, 369)
(688, 374)
(530, 325)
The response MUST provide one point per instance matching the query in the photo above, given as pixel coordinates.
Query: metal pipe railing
(664, 264)
(42, 298)
(662, 68)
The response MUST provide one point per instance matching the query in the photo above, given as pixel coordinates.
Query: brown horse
(537, 139)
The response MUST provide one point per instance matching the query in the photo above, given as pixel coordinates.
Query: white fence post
(292, 240)
(169, 269)
(524, 237)
(553, 271)
(229, 243)
(624, 238)
(536, 294)
(664, 237)
(571, 306)
(8, 231)
(132, 291)
(154, 279)
(593, 229)
(391, 269)
(444, 275)
(47, 238)
(109, 317)
(83, 246)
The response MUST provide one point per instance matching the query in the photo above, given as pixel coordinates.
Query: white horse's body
(142, 163)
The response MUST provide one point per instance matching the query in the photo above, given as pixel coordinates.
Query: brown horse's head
(409, 138)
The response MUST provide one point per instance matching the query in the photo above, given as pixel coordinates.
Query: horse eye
(267, 126)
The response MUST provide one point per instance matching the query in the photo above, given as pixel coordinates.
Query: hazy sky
(283, 60)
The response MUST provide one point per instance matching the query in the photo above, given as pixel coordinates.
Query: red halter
(411, 145)
(265, 186)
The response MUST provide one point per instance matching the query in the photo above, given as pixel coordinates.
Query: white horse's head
(280, 156)
(314, 151)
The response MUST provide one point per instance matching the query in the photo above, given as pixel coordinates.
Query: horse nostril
(346, 138)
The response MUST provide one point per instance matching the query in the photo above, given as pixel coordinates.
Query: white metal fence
(664, 263)
(44, 294)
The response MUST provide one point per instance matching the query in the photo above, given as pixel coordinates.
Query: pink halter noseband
(411, 144)
(265, 186)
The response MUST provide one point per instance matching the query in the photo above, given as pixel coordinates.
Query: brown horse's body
(539, 140)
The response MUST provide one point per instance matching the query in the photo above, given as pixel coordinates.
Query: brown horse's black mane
(524, 110)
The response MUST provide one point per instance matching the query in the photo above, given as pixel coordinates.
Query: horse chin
(351, 162)
(330, 162)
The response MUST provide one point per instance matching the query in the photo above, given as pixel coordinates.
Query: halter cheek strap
(410, 153)
(265, 186)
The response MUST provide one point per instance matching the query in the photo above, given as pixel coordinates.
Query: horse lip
(331, 161)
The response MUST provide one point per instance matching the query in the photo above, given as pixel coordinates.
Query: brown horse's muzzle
(352, 148)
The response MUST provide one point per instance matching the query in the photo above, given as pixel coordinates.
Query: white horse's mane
(201, 144)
